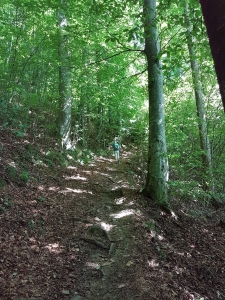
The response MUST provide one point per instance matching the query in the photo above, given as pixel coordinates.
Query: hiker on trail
(116, 149)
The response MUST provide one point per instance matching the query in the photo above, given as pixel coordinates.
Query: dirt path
(72, 235)
(108, 237)
(86, 233)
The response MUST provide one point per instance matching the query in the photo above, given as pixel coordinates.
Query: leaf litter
(85, 232)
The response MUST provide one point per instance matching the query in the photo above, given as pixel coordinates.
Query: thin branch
(116, 54)
(178, 31)
(136, 74)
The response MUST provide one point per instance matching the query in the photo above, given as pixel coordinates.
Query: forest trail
(103, 214)
(73, 236)
(85, 232)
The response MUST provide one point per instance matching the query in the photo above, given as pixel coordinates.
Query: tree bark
(156, 183)
(214, 16)
(64, 77)
(202, 123)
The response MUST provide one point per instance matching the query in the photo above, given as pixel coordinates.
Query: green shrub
(41, 199)
(24, 177)
(2, 183)
(12, 173)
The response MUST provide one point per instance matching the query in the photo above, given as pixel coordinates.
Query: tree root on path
(112, 249)
(74, 220)
(92, 241)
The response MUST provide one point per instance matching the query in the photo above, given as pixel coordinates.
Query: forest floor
(85, 232)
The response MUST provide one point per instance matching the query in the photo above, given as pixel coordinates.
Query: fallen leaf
(129, 263)
(65, 292)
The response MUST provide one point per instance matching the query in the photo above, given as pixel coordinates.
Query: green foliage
(24, 177)
(3, 208)
(149, 225)
(222, 295)
(2, 183)
(104, 152)
(18, 133)
(17, 176)
(85, 157)
(41, 199)
(31, 224)
(12, 173)
(29, 147)
(5, 203)
(56, 158)
(63, 158)
(49, 162)
(188, 191)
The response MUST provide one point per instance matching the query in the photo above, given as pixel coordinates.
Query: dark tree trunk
(214, 16)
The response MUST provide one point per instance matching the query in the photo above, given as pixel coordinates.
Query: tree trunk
(81, 112)
(64, 77)
(202, 123)
(156, 183)
(214, 16)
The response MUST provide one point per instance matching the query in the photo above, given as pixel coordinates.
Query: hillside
(80, 229)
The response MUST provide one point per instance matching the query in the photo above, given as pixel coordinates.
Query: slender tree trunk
(156, 183)
(202, 123)
(99, 124)
(81, 112)
(64, 77)
(214, 16)
(83, 100)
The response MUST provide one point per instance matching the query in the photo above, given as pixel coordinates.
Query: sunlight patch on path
(93, 265)
(87, 172)
(153, 264)
(106, 227)
(123, 213)
(120, 200)
(54, 248)
(111, 169)
(97, 172)
(54, 189)
(72, 168)
(76, 191)
(103, 159)
(78, 177)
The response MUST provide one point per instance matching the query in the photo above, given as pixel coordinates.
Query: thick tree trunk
(156, 183)
(202, 123)
(214, 16)
(64, 77)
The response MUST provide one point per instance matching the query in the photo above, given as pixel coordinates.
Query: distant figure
(116, 149)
